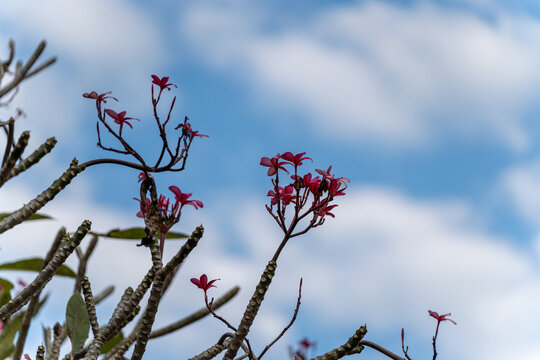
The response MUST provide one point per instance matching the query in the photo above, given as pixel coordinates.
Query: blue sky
(429, 107)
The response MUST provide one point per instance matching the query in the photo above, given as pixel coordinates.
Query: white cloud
(384, 260)
(96, 44)
(398, 75)
(521, 184)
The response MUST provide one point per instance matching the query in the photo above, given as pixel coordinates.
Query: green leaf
(111, 343)
(77, 322)
(32, 217)
(6, 350)
(5, 293)
(138, 234)
(11, 327)
(35, 264)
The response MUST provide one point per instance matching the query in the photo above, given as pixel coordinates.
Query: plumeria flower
(144, 209)
(273, 164)
(192, 133)
(326, 174)
(308, 181)
(203, 283)
(120, 118)
(285, 194)
(101, 97)
(305, 343)
(295, 160)
(323, 211)
(142, 176)
(182, 198)
(162, 82)
(441, 318)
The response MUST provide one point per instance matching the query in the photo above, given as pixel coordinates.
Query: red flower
(441, 318)
(323, 211)
(100, 97)
(142, 176)
(305, 343)
(144, 210)
(120, 118)
(202, 283)
(273, 164)
(295, 160)
(193, 133)
(182, 198)
(162, 83)
(285, 194)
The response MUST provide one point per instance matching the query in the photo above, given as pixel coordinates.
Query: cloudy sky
(428, 107)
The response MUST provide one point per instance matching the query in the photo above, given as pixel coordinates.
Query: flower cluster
(170, 213)
(316, 190)
(177, 150)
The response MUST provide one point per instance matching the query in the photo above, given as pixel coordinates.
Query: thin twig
(195, 316)
(289, 324)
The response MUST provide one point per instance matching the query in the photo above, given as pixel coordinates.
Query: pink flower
(100, 97)
(120, 118)
(326, 174)
(202, 283)
(27, 357)
(305, 343)
(191, 132)
(334, 188)
(441, 318)
(22, 283)
(285, 194)
(312, 183)
(182, 198)
(1, 326)
(295, 160)
(144, 209)
(162, 83)
(273, 164)
(323, 211)
(142, 176)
